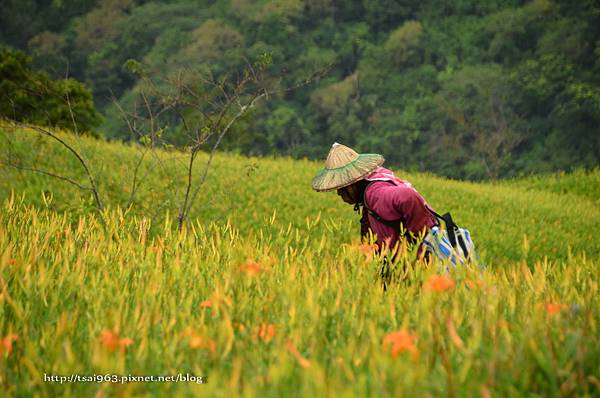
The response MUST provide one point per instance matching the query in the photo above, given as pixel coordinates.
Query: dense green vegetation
(544, 214)
(466, 89)
(268, 291)
(32, 97)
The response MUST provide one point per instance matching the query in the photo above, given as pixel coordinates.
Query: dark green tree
(30, 96)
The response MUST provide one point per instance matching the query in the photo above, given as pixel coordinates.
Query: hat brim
(340, 177)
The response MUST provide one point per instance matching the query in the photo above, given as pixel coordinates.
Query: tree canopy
(31, 96)
(466, 89)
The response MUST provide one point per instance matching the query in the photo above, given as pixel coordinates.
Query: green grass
(581, 183)
(264, 249)
(502, 216)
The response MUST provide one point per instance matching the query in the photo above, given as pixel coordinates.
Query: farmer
(392, 209)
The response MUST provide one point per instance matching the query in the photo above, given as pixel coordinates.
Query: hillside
(268, 292)
(555, 216)
(581, 183)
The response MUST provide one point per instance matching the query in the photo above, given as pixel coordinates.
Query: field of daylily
(269, 292)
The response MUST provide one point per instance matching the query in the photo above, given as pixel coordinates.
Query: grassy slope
(501, 216)
(583, 184)
(66, 278)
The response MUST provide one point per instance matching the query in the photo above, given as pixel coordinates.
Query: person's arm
(364, 225)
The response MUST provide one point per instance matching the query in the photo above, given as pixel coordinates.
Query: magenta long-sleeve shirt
(395, 201)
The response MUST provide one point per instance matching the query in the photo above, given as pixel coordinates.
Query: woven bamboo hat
(344, 167)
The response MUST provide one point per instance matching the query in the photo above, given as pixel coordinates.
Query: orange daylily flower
(240, 327)
(196, 341)
(265, 332)
(401, 341)
(485, 392)
(6, 344)
(206, 304)
(305, 363)
(367, 249)
(439, 283)
(199, 342)
(217, 299)
(252, 268)
(112, 341)
(472, 284)
(124, 343)
(553, 309)
(211, 345)
(12, 261)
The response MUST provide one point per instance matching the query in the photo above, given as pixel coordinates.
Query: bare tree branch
(206, 109)
(69, 102)
(242, 111)
(47, 173)
(81, 161)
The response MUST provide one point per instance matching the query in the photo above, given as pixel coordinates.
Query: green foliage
(209, 42)
(33, 97)
(475, 104)
(292, 133)
(336, 97)
(384, 15)
(524, 74)
(128, 34)
(21, 20)
(403, 44)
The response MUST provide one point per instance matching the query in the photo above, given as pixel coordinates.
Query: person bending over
(392, 210)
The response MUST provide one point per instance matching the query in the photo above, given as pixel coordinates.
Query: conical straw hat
(344, 167)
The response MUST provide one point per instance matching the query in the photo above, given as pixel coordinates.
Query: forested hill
(467, 88)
